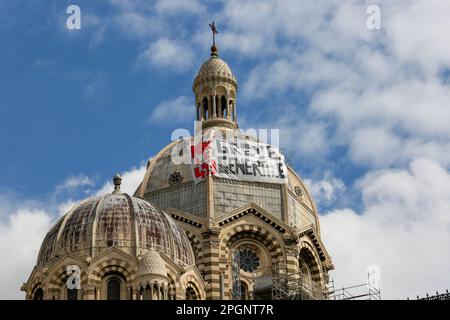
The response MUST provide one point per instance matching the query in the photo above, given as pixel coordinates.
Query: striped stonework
(174, 284)
(211, 263)
(316, 270)
(37, 283)
(292, 254)
(248, 232)
(198, 249)
(112, 265)
(59, 277)
(191, 282)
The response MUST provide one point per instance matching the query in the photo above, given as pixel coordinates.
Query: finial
(214, 52)
(117, 180)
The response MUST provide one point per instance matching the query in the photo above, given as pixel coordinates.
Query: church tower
(215, 89)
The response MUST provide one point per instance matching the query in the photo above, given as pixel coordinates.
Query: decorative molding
(258, 212)
(175, 178)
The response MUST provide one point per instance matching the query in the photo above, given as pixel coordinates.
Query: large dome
(169, 184)
(116, 220)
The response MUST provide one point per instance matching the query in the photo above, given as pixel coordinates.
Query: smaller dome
(151, 263)
(215, 66)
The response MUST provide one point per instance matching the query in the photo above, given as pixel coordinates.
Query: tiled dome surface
(151, 263)
(215, 66)
(131, 224)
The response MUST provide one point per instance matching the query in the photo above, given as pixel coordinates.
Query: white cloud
(404, 228)
(74, 182)
(179, 7)
(165, 53)
(327, 189)
(20, 238)
(173, 111)
(66, 206)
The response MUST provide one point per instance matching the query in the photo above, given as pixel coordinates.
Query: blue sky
(363, 114)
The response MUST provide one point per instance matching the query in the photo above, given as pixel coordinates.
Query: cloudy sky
(364, 116)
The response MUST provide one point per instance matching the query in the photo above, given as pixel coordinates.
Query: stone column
(234, 111)
(292, 256)
(211, 260)
(214, 106)
(159, 291)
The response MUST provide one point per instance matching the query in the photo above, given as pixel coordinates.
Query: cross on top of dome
(214, 31)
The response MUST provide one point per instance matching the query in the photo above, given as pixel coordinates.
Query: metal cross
(214, 32)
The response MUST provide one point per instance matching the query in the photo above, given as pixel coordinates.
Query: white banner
(237, 159)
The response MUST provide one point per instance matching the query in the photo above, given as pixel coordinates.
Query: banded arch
(250, 231)
(197, 248)
(112, 265)
(316, 271)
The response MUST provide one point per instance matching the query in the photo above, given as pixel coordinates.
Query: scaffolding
(295, 286)
(365, 291)
(371, 290)
(236, 275)
(437, 296)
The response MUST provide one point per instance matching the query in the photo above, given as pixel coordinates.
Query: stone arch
(221, 91)
(120, 290)
(36, 282)
(245, 289)
(196, 246)
(112, 265)
(251, 231)
(191, 282)
(58, 278)
(308, 251)
(37, 292)
(174, 285)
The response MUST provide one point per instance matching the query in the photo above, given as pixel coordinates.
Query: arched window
(205, 108)
(113, 289)
(244, 291)
(190, 294)
(147, 293)
(38, 294)
(232, 112)
(223, 107)
(155, 292)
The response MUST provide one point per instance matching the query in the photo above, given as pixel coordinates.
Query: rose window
(248, 260)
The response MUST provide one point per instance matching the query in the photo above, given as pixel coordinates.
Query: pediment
(185, 217)
(257, 211)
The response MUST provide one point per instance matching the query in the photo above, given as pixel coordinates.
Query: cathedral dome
(170, 184)
(118, 220)
(151, 263)
(215, 66)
